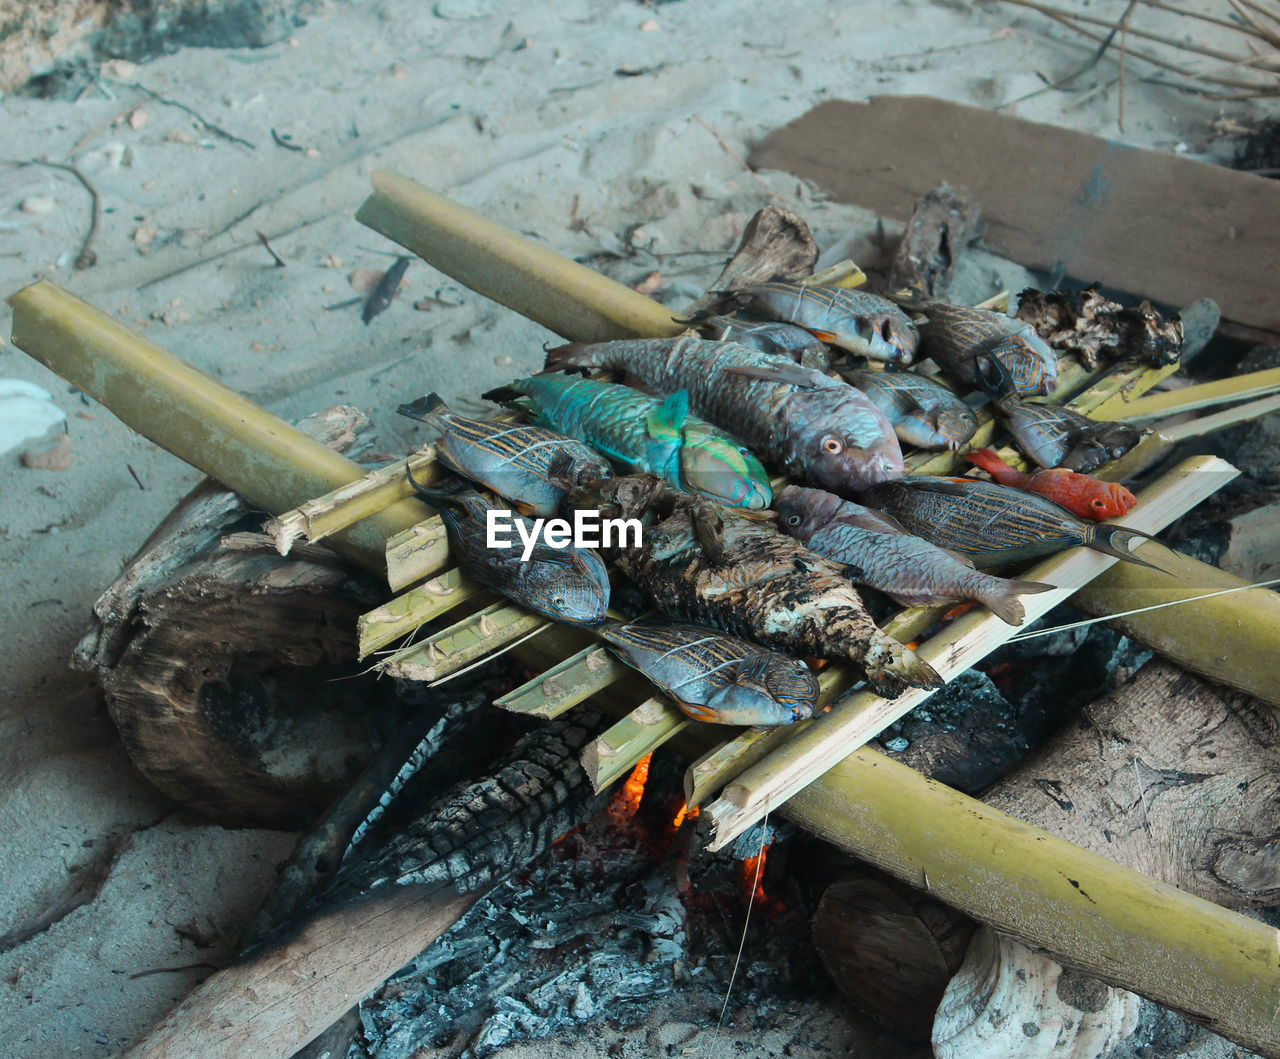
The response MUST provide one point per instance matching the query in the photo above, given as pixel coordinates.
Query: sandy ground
(572, 121)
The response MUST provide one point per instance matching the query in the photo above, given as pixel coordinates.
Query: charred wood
(944, 222)
(385, 909)
(1089, 325)
(214, 656)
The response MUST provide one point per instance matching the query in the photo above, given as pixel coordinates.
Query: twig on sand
(86, 258)
(223, 253)
(208, 126)
(1089, 65)
(738, 158)
(280, 262)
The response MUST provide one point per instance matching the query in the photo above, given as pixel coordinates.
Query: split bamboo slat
(1203, 395)
(1182, 952)
(968, 639)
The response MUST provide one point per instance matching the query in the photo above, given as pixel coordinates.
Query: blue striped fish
(717, 678)
(530, 466)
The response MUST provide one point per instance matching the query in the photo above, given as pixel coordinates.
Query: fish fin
(852, 572)
(572, 356)
(994, 377)
(892, 667)
(1110, 539)
(665, 422)
(876, 522)
(423, 408)
(791, 374)
(1004, 601)
(438, 494)
(988, 461)
(698, 712)
(504, 395)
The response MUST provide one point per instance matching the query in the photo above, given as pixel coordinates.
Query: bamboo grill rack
(1214, 964)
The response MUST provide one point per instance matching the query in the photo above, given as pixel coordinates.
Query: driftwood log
(383, 911)
(1168, 775)
(200, 618)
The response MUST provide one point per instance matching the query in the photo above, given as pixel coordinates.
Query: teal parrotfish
(639, 432)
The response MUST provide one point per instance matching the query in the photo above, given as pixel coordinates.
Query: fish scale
(770, 589)
(810, 425)
(714, 677)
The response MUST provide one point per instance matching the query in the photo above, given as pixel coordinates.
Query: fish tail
(436, 495)
(992, 464)
(1002, 599)
(1118, 541)
(424, 408)
(892, 667)
(573, 356)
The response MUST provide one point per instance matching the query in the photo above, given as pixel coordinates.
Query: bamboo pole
(570, 299)
(565, 685)
(416, 552)
(266, 460)
(614, 753)
(1216, 966)
(970, 638)
(1228, 417)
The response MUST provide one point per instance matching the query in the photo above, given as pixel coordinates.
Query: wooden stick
(569, 299)
(613, 754)
(469, 640)
(1229, 417)
(409, 610)
(565, 685)
(1203, 395)
(417, 552)
(348, 504)
(861, 716)
(272, 464)
(271, 1006)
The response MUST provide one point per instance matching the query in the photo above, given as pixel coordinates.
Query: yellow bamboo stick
(565, 685)
(569, 299)
(400, 616)
(1219, 967)
(348, 504)
(970, 638)
(1203, 395)
(469, 640)
(266, 460)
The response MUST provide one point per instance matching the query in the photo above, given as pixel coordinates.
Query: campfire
(525, 836)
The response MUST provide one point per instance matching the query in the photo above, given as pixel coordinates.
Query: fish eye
(832, 446)
(1097, 503)
(794, 520)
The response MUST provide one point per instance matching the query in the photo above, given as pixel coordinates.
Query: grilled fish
(851, 319)
(806, 423)
(963, 340)
(1081, 494)
(1055, 436)
(567, 584)
(923, 412)
(763, 586)
(995, 524)
(769, 336)
(717, 678)
(881, 554)
(643, 433)
(513, 460)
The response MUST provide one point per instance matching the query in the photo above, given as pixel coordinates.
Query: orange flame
(751, 879)
(626, 803)
(682, 814)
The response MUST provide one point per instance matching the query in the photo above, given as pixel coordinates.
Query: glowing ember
(626, 803)
(751, 879)
(684, 813)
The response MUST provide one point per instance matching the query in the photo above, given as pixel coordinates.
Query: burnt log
(216, 656)
(944, 222)
(383, 910)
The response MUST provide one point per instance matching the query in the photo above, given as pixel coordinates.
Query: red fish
(1082, 494)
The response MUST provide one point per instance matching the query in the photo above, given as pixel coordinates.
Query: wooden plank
(1144, 221)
